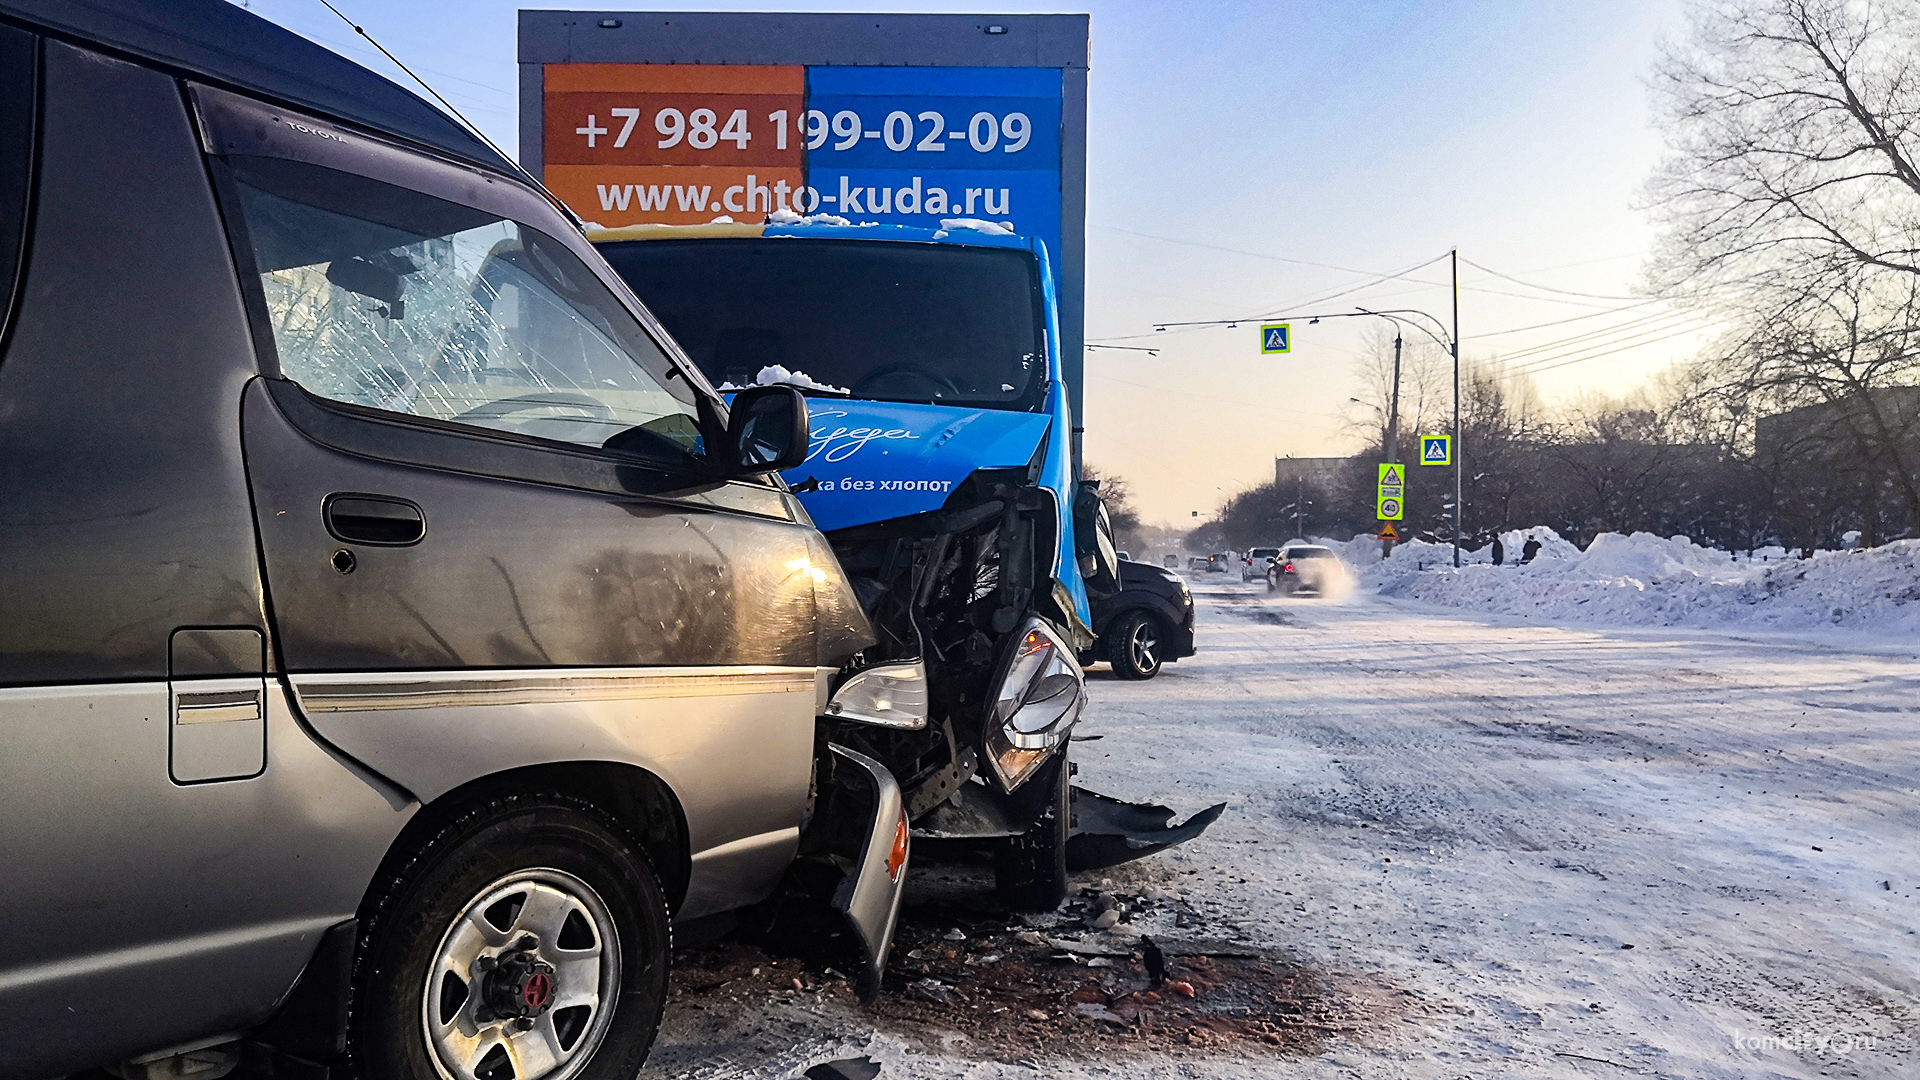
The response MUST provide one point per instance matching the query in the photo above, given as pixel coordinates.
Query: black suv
(1147, 623)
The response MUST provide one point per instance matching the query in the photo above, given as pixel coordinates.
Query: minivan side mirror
(767, 430)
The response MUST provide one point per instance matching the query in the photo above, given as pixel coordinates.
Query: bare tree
(1791, 202)
(1118, 495)
(1425, 387)
(1792, 130)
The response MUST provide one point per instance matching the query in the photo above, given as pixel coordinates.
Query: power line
(1554, 363)
(1562, 322)
(1402, 274)
(1631, 326)
(1543, 288)
(1241, 402)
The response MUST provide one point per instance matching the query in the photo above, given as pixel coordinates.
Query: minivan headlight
(885, 695)
(1039, 697)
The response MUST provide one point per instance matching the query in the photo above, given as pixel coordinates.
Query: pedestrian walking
(1529, 550)
(1499, 552)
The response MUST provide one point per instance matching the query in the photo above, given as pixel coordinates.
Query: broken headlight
(1040, 695)
(886, 695)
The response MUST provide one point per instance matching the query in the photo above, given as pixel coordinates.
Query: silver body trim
(871, 897)
(733, 743)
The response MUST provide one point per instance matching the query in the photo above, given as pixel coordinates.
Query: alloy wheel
(1143, 645)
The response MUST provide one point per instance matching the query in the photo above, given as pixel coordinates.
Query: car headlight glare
(885, 695)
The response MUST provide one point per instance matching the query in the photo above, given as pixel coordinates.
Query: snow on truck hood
(877, 460)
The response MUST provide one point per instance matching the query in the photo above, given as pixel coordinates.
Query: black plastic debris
(1108, 832)
(1155, 960)
(860, 1068)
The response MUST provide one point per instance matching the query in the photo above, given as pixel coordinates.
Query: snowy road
(1580, 853)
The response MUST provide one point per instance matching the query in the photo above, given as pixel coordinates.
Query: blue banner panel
(953, 141)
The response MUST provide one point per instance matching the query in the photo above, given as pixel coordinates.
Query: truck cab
(941, 471)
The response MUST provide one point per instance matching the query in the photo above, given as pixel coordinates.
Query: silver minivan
(398, 636)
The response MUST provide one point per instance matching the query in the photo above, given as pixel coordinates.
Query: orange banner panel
(632, 128)
(675, 78)
(615, 195)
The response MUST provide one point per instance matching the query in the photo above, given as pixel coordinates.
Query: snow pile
(967, 224)
(784, 216)
(1645, 580)
(774, 374)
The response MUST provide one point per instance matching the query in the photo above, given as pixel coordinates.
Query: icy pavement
(1499, 850)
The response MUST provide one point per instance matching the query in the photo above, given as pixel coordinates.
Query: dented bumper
(869, 897)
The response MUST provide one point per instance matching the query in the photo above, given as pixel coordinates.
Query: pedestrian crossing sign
(1276, 338)
(1436, 449)
(1392, 474)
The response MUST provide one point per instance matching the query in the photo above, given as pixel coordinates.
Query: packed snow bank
(1645, 580)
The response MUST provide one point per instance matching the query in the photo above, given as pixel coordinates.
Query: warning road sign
(1276, 338)
(1436, 449)
(1392, 490)
(1388, 532)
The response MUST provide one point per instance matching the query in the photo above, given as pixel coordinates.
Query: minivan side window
(19, 76)
(391, 299)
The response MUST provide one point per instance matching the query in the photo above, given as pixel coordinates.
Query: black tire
(1133, 645)
(409, 918)
(1030, 870)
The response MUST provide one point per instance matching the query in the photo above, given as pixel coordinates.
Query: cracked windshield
(436, 310)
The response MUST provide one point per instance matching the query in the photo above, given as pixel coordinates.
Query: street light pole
(1458, 450)
(1393, 410)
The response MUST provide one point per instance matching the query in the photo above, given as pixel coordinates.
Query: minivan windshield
(937, 323)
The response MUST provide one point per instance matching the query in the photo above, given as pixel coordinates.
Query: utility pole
(1458, 451)
(1393, 424)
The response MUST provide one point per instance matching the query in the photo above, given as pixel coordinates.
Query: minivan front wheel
(527, 941)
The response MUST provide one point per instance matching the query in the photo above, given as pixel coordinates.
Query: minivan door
(492, 538)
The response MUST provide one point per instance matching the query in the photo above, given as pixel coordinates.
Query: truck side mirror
(767, 430)
(1093, 537)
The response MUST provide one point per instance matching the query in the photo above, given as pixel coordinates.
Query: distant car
(1255, 563)
(1149, 622)
(1305, 568)
(1220, 562)
(1171, 562)
(1196, 562)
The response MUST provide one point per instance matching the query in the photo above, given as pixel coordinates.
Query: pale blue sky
(1368, 136)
